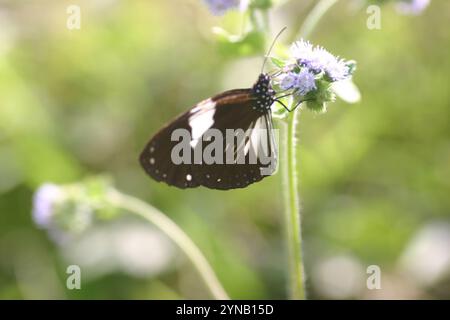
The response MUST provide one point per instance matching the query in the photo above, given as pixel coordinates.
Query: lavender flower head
(44, 201)
(308, 75)
(219, 7)
(303, 51)
(317, 60)
(302, 82)
(412, 7)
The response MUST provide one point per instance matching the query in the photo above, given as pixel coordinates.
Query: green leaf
(351, 64)
(277, 62)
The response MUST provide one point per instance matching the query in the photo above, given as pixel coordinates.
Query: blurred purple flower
(317, 59)
(219, 7)
(412, 7)
(43, 201)
(302, 82)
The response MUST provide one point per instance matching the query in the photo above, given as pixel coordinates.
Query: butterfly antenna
(271, 47)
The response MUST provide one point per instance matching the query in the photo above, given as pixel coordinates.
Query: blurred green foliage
(80, 102)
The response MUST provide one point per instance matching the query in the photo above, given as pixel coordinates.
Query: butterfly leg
(287, 109)
(285, 95)
(284, 106)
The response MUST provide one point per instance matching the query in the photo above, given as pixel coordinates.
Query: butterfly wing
(234, 109)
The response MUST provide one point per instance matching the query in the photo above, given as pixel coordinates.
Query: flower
(44, 201)
(288, 81)
(302, 82)
(306, 82)
(337, 69)
(317, 59)
(302, 51)
(412, 7)
(219, 7)
(64, 209)
(310, 73)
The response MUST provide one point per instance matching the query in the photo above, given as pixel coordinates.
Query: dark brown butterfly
(249, 157)
(231, 110)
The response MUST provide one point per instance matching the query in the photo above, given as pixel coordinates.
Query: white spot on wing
(188, 177)
(201, 120)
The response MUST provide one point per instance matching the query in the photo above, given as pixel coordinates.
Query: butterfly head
(263, 92)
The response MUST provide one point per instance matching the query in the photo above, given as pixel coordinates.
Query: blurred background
(375, 176)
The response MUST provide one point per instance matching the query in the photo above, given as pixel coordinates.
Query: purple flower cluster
(219, 7)
(303, 82)
(43, 204)
(313, 70)
(412, 7)
(318, 60)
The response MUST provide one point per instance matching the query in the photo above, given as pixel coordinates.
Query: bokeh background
(375, 176)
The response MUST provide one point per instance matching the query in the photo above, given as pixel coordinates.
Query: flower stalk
(292, 212)
(176, 234)
(308, 57)
(66, 210)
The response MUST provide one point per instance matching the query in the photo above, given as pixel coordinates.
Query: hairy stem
(162, 222)
(292, 196)
(292, 212)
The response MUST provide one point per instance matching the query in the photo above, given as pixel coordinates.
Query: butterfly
(247, 156)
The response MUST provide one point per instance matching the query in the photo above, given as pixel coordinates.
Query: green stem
(292, 197)
(177, 235)
(314, 17)
(292, 214)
